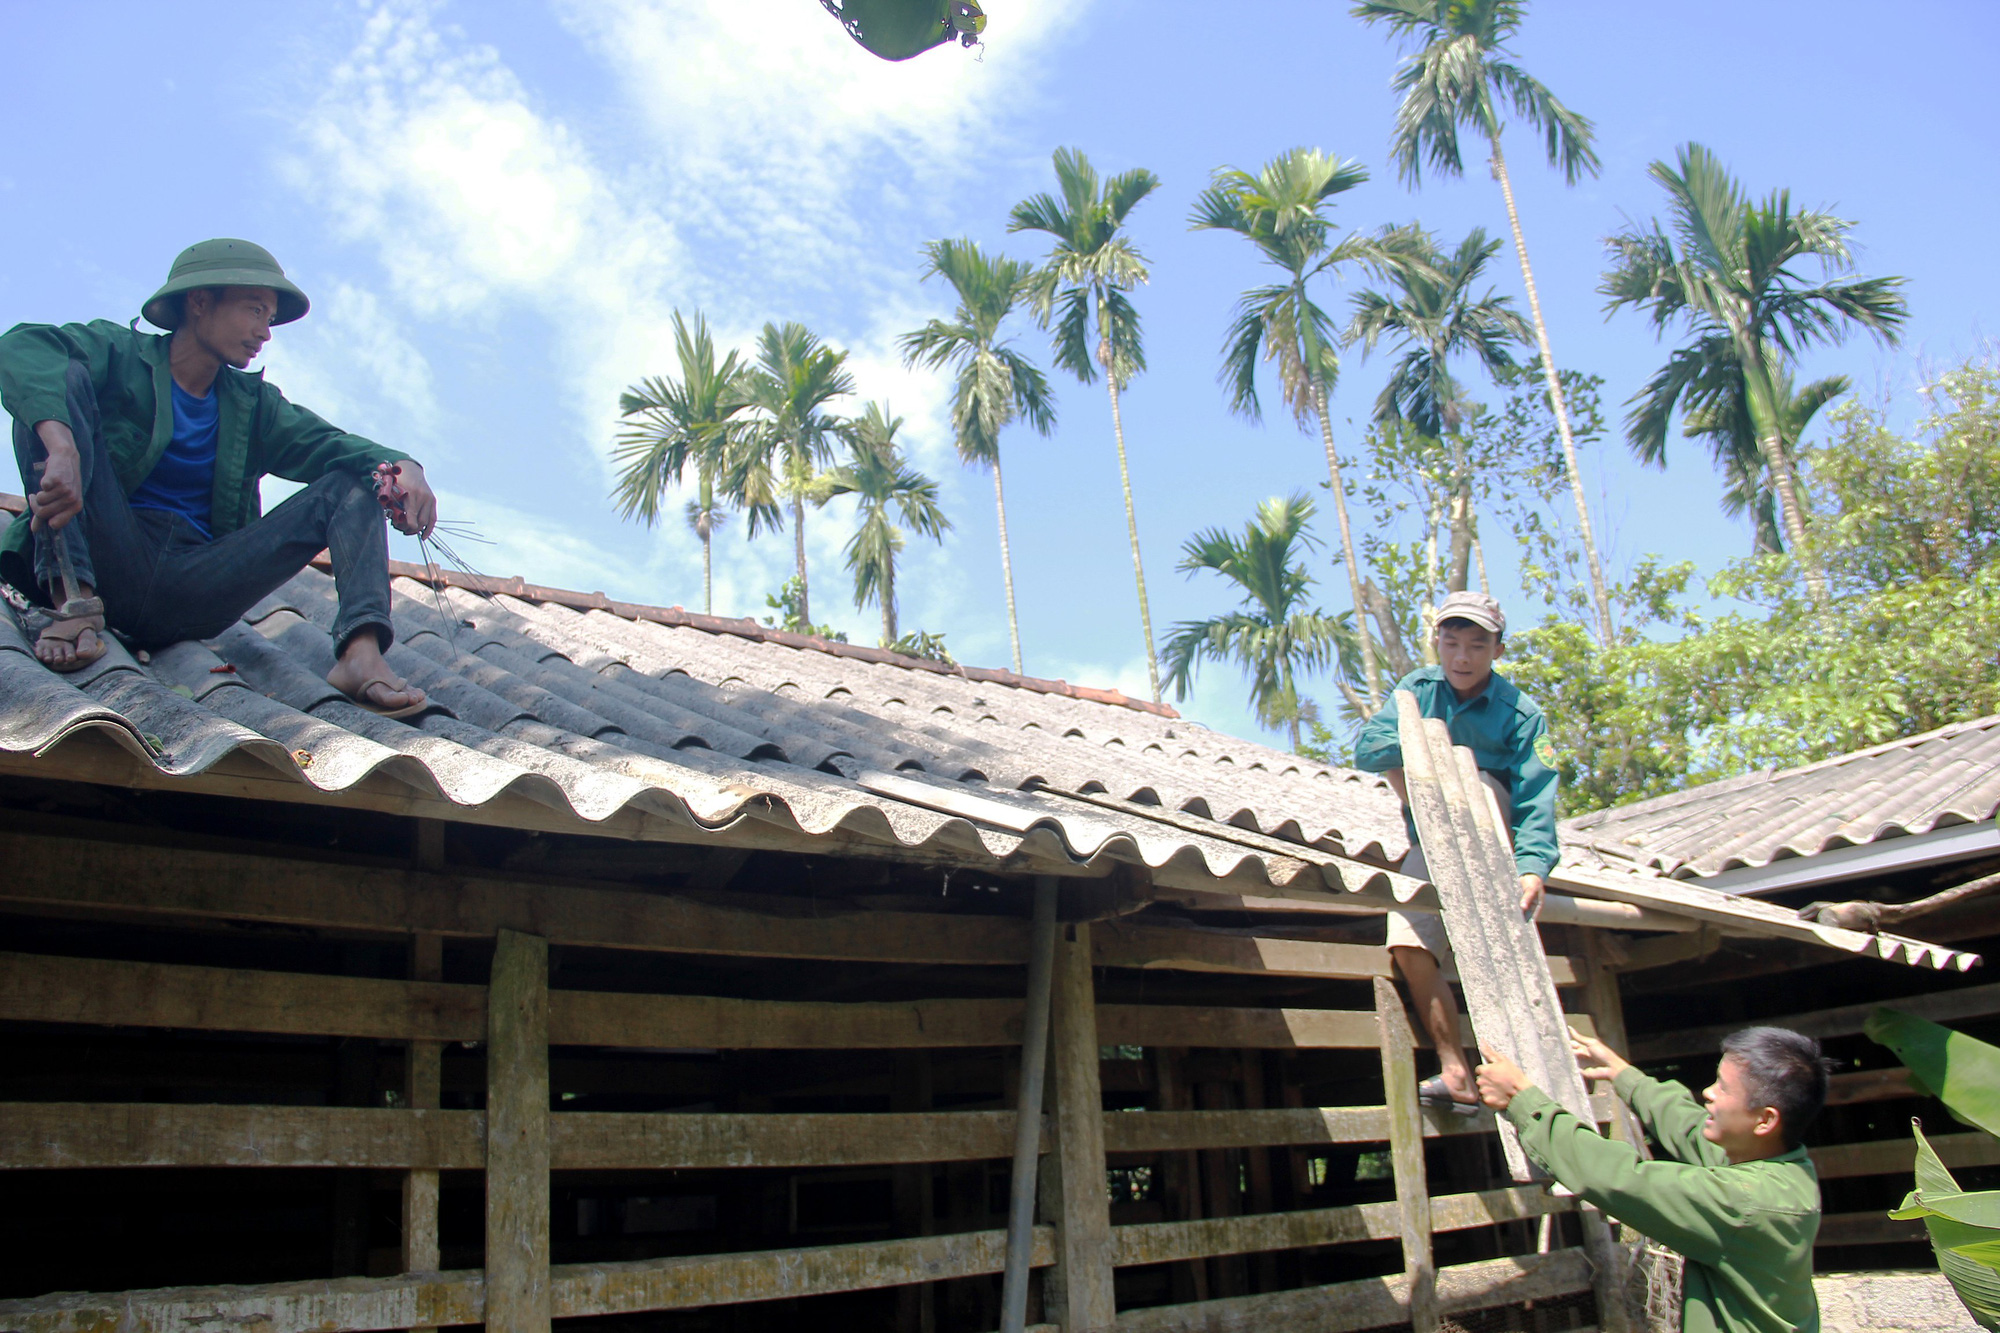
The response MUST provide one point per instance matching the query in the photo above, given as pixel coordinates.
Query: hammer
(73, 606)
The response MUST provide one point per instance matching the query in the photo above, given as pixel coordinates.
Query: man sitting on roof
(1508, 738)
(1739, 1200)
(141, 455)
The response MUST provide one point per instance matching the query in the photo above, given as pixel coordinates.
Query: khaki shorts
(1425, 930)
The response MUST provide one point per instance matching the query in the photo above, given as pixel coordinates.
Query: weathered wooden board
(1938, 1006)
(1413, 1221)
(1264, 1029)
(1164, 1242)
(577, 1290)
(1345, 1307)
(1899, 1156)
(517, 1136)
(1078, 1292)
(1180, 1131)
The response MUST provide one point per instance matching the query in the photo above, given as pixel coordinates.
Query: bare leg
(1438, 1012)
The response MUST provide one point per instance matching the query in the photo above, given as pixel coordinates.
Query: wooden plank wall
(517, 1142)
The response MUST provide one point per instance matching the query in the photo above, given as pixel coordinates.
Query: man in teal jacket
(1739, 1199)
(1509, 741)
(141, 455)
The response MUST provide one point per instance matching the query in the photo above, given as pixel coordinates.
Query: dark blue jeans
(162, 581)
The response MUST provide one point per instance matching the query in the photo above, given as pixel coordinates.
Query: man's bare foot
(71, 644)
(363, 676)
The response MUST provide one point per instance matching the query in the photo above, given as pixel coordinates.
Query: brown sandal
(69, 630)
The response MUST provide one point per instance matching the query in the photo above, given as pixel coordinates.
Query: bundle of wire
(432, 544)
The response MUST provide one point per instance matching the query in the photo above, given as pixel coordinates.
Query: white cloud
(353, 363)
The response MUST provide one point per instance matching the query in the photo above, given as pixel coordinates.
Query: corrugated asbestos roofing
(590, 712)
(593, 708)
(1944, 777)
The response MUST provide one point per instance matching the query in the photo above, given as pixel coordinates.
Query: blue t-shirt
(183, 481)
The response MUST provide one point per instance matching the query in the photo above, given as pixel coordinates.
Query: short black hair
(1782, 1069)
(1460, 622)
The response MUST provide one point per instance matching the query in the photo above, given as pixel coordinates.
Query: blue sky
(496, 206)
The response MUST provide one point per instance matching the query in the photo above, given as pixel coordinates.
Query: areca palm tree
(1462, 74)
(1273, 635)
(996, 384)
(1434, 316)
(1726, 273)
(888, 488)
(1282, 211)
(1718, 411)
(791, 436)
(678, 424)
(1080, 291)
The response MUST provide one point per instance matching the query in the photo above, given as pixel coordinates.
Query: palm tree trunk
(708, 570)
(1479, 556)
(1427, 614)
(889, 601)
(1007, 564)
(1598, 592)
(1132, 528)
(799, 555)
(1784, 474)
(1370, 667)
(1459, 572)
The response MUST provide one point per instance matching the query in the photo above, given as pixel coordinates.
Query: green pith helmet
(899, 29)
(223, 263)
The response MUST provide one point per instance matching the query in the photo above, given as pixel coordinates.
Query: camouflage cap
(1477, 607)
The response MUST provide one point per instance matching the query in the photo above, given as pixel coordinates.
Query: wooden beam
(1874, 1227)
(1345, 1307)
(1869, 1085)
(1406, 1157)
(355, 1305)
(423, 1087)
(45, 988)
(234, 886)
(605, 1018)
(1938, 1006)
(45, 1135)
(1899, 1156)
(1182, 1131)
(42, 1135)
(1166, 1242)
(1266, 1029)
(1119, 944)
(1077, 1293)
(517, 1136)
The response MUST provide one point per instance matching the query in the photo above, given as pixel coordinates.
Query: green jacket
(1746, 1230)
(259, 432)
(1504, 730)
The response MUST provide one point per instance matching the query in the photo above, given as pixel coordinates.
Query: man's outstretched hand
(1599, 1060)
(1500, 1079)
(1531, 896)
(420, 507)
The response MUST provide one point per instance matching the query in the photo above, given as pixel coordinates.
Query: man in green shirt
(141, 455)
(1739, 1199)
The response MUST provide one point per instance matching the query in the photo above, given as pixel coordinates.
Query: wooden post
(1182, 1192)
(1606, 1008)
(1028, 1098)
(517, 1136)
(423, 1080)
(910, 1090)
(1075, 1195)
(1406, 1154)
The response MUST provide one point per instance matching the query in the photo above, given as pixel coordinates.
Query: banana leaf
(1960, 1246)
(1960, 1071)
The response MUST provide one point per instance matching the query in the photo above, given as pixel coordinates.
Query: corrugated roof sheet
(592, 708)
(1944, 777)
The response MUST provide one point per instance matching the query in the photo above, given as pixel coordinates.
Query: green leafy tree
(1727, 274)
(1272, 636)
(995, 385)
(1282, 210)
(676, 424)
(1906, 530)
(1461, 74)
(785, 601)
(1079, 293)
(790, 434)
(887, 488)
(1434, 316)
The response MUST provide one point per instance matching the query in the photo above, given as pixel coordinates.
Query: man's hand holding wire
(417, 514)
